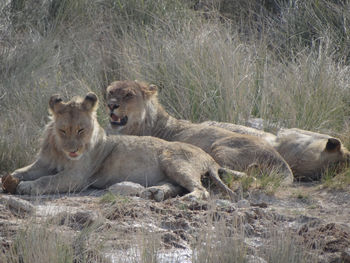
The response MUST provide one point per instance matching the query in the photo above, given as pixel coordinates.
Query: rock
(243, 203)
(223, 203)
(17, 206)
(126, 189)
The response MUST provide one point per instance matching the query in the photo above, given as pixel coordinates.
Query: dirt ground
(315, 219)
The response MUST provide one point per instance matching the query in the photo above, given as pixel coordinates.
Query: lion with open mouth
(134, 110)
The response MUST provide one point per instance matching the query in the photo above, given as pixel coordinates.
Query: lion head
(127, 102)
(311, 154)
(73, 124)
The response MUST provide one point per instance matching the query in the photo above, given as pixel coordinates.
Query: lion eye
(128, 95)
(62, 131)
(81, 131)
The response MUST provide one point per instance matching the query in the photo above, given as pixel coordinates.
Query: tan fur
(309, 154)
(305, 151)
(269, 137)
(138, 103)
(76, 154)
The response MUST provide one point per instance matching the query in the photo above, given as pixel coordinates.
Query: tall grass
(42, 243)
(212, 59)
(39, 244)
(218, 243)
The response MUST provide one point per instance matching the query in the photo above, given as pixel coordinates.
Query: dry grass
(218, 243)
(212, 61)
(205, 65)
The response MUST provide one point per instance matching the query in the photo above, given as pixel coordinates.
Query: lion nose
(113, 106)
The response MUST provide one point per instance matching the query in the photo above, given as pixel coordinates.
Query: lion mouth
(117, 121)
(74, 155)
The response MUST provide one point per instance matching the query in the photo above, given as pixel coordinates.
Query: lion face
(73, 124)
(126, 101)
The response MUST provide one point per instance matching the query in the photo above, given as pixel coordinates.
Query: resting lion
(76, 153)
(309, 154)
(134, 110)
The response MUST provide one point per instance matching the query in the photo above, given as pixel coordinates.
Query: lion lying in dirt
(309, 154)
(134, 110)
(76, 154)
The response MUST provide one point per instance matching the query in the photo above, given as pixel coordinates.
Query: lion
(309, 154)
(134, 110)
(76, 154)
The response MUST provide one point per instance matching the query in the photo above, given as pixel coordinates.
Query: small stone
(243, 203)
(126, 189)
(223, 203)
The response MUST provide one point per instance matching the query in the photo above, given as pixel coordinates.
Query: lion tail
(214, 175)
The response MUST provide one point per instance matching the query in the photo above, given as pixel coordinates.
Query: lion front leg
(27, 173)
(66, 181)
(32, 171)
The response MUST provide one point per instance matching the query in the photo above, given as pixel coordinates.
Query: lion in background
(309, 154)
(76, 153)
(135, 110)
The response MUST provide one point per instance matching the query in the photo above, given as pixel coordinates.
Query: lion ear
(90, 102)
(149, 90)
(55, 103)
(153, 88)
(333, 145)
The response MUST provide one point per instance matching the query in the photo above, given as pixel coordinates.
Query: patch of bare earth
(124, 228)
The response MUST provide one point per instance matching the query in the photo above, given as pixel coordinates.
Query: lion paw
(196, 196)
(9, 183)
(26, 188)
(154, 192)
